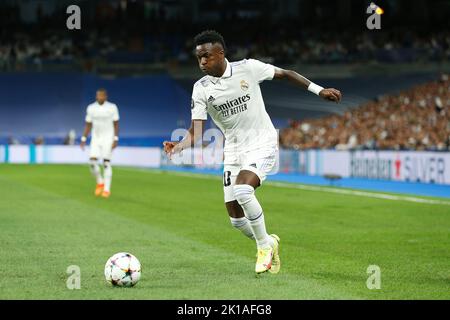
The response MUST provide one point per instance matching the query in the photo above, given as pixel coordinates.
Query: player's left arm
(115, 119)
(330, 94)
(116, 134)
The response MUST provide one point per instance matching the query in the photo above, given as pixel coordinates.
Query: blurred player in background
(102, 117)
(231, 95)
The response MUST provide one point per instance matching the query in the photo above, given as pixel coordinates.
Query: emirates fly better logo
(374, 20)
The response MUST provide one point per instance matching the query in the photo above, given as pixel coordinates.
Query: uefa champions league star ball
(123, 270)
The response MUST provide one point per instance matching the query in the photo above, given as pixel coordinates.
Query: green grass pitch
(178, 228)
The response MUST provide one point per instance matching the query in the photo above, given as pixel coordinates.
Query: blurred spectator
(70, 138)
(13, 141)
(38, 141)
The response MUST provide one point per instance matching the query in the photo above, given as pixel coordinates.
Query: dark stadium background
(361, 185)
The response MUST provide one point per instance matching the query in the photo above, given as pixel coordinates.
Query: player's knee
(107, 168)
(93, 163)
(243, 193)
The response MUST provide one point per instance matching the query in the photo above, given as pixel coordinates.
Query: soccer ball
(123, 270)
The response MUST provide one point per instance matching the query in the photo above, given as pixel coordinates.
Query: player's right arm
(194, 134)
(87, 128)
(86, 132)
(199, 116)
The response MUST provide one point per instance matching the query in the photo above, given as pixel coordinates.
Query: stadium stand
(414, 119)
(152, 104)
(149, 32)
(126, 36)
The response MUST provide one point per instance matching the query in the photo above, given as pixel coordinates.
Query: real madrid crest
(244, 85)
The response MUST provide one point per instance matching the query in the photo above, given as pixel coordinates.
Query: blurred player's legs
(96, 172)
(107, 172)
(102, 149)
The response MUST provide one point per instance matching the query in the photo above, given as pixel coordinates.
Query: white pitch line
(359, 193)
(343, 191)
(375, 195)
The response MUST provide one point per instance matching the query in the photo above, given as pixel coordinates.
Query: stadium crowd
(22, 50)
(415, 119)
(150, 32)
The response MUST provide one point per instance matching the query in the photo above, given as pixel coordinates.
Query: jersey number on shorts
(227, 178)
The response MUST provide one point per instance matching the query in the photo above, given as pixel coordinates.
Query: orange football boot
(99, 189)
(106, 194)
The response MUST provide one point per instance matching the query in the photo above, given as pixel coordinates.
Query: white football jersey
(235, 104)
(102, 117)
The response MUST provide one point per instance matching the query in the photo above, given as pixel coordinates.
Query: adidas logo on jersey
(211, 99)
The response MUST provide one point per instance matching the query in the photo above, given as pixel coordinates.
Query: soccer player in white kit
(231, 95)
(102, 117)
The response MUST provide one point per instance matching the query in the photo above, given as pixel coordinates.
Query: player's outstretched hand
(331, 94)
(82, 144)
(169, 148)
(114, 145)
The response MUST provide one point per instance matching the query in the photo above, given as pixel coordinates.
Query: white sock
(95, 170)
(258, 225)
(243, 225)
(108, 176)
(245, 196)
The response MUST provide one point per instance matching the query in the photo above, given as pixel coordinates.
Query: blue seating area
(51, 104)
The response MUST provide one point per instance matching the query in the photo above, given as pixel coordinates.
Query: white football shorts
(262, 162)
(101, 149)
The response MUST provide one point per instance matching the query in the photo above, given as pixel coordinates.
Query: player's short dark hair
(102, 90)
(209, 36)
